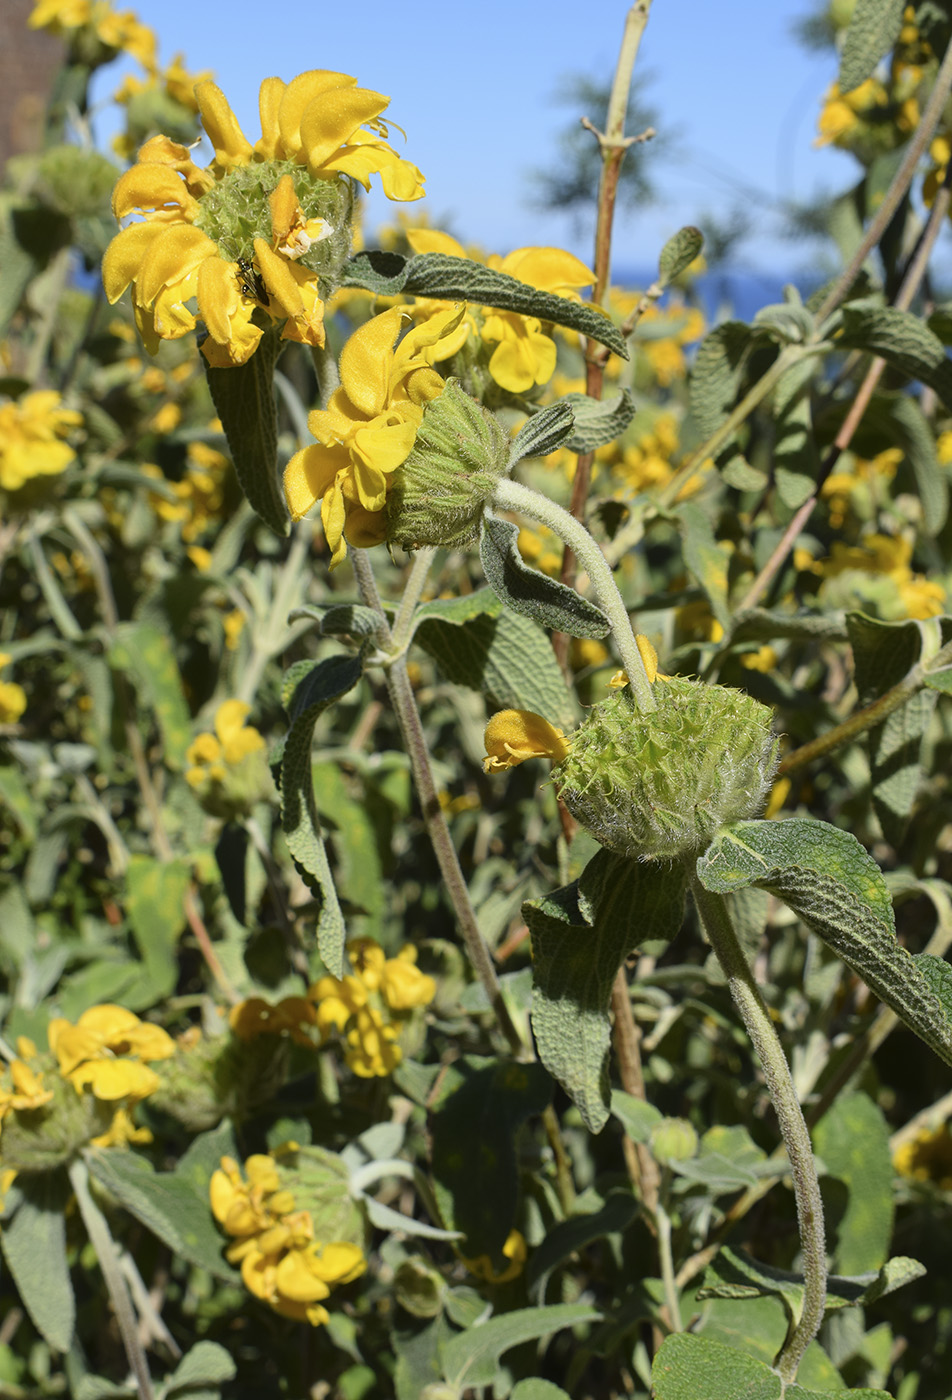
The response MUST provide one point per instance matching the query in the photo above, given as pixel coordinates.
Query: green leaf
(717, 373)
(536, 1389)
(308, 691)
(34, 1247)
(735, 1275)
(678, 253)
(899, 418)
(707, 562)
(873, 30)
(207, 1364)
(883, 655)
(145, 653)
(456, 611)
(796, 462)
(155, 904)
(481, 1104)
(460, 279)
(636, 1116)
(759, 625)
(530, 592)
(692, 1368)
(243, 396)
(351, 619)
(581, 935)
(569, 1236)
(505, 656)
(471, 1358)
(173, 1205)
(355, 843)
(17, 798)
(902, 340)
(543, 432)
(837, 889)
(598, 421)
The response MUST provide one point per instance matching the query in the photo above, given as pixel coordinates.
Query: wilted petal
(512, 736)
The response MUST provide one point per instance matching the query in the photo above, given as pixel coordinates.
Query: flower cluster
(228, 769)
(95, 22)
(83, 1092)
(927, 1156)
(878, 574)
(523, 355)
(282, 1260)
(257, 237)
(368, 1006)
(369, 427)
(32, 430)
(199, 496)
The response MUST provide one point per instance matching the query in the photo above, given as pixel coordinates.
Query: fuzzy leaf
(734, 1274)
(824, 875)
(598, 421)
(679, 253)
(707, 562)
(34, 1247)
(530, 592)
(902, 340)
(568, 1236)
(506, 657)
(155, 904)
(899, 418)
(243, 396)
(460, 279)
(759, 625)
(852, 1141)
(717, 373)
(687, 1367)
(581, 935)
(873, 30)
(544, 432)
(207, 1364)
(471, 1358)
(318, 687)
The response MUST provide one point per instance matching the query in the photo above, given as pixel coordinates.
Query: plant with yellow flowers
(474, 752)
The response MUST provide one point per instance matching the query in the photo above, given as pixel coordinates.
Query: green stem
(511, 495)
(419, 573)
(868, 717)
(668, 1280)
(405, 709)
(274, 635)
(716, 919)
(102, 1242)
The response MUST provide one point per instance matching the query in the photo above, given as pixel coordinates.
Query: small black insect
(251, 282)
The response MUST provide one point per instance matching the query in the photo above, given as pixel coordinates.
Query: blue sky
(475, 89)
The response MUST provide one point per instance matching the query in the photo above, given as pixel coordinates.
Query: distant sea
(729, 292)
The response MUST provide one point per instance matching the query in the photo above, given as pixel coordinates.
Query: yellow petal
(230, 718)
(154, 189)
(231, 146)
(298, 96)
(123, 257)
(430, 240)
(233, 336)
(309, 474)
(171, 258)
(512, 736)
(549, 269)
(330, 120)
(365, 361)
(269, 103)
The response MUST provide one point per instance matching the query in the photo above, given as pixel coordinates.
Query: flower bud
(673, 1140)
(657, 786)
(437, 496)
(42, 1139)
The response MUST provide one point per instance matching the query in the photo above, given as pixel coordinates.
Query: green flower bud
(419, 1288)
(221, 1077)
(658, 786)
(437, 496)
(673, 1140)
(42, 1139)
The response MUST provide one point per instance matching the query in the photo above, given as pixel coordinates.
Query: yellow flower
(927, 1156)
(258, 234)
(842, 113)
(368, 428)
(12, 696)
(26, 1090)
(117, 31)
(917, 596)
(514, 1250)
(211, 755)
(362, 1004)
(512, 736)
(107, 1049)
(122, 1132)
(30, 438)
(255, 1016)
(281, 1261)
(234, 624)
(649, 656)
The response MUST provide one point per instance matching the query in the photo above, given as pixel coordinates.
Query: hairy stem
(412, 593)
(716, 919)
(511, 495)
(405, 708)
(642, 1167)
(102, 1242)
